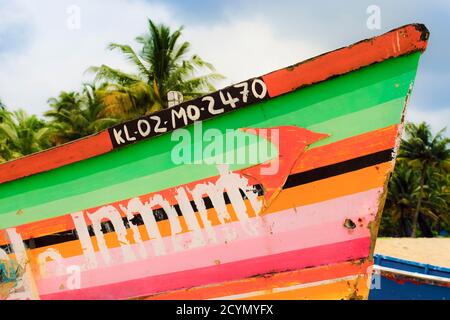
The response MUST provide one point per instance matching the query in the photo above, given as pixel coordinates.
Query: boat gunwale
(379, 258)
(412, 276)
(279, 82)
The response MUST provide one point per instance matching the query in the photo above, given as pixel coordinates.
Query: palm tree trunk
(405, 226)
(419, 203)
(425, 228)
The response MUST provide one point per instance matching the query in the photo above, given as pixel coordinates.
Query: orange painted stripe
(347, 289)
(73, 248)
(343, 150)
(275, 280)
(353, 147)
(56, 157)
(398, 42)
(334, 187)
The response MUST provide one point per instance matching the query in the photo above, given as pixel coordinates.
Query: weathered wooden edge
(398, 42)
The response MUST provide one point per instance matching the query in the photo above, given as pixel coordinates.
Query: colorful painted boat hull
(398, 279)
(162, 207)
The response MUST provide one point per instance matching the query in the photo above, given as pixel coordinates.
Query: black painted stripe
(338, 168)
(170, 119)
(292, 181)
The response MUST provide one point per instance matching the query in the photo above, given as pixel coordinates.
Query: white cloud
(244, 49)
(438, 119)
(54, 59)
(57, 56)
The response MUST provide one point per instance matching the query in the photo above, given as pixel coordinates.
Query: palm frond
(132, 57)
(108, 74)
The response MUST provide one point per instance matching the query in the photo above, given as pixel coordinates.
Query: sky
(46, 45)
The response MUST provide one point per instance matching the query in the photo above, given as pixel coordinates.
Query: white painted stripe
(284, 289)
(412, 274)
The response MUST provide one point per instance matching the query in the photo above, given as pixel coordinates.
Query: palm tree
(423, 151)
(126, 101)
(401, 197)
(162, 65)
(21, 134)
(401, 201)
(435, 206)
(75, 115)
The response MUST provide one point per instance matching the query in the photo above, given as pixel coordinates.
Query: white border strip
(412, 274)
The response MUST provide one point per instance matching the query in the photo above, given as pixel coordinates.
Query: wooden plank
(398, 42)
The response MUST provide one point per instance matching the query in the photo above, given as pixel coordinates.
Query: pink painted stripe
(328, 254)
(316, 228)
(319, 224)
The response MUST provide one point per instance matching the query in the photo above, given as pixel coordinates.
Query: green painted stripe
(363, 121)
(117, 175)
(356, 123)
(46, 202)
(283, 106)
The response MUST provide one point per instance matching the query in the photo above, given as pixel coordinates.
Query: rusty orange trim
(395, 43)
(56, 157)
(341, 289)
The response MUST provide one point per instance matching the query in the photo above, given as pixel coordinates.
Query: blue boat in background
(398, 279)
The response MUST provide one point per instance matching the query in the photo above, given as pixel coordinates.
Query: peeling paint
(281, 228)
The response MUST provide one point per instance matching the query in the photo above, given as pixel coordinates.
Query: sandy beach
(435, 251)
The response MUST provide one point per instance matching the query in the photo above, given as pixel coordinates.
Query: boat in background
(272, 188)
(399, 279)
